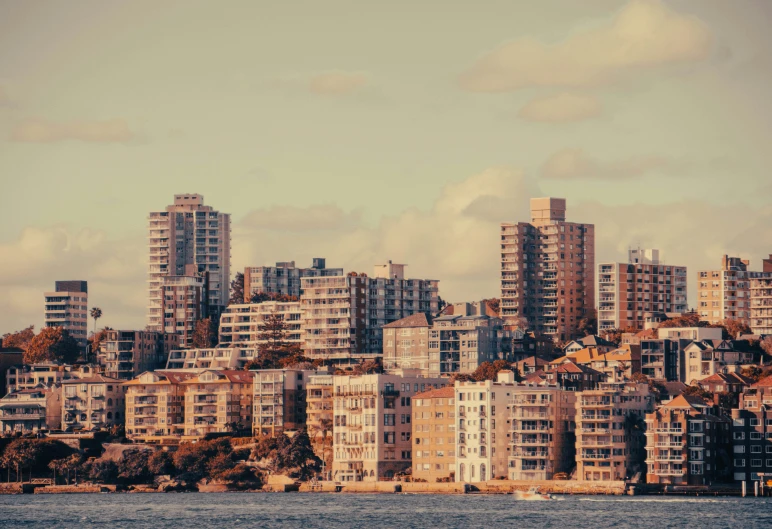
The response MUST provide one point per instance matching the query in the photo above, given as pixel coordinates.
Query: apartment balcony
(669, 472)
(520, 453)
(528, 428)
(521, 414)
(670, 444)
(595, 430)
(677, 459)
(669, 430)
(596, 403)
(32, 416)
(588, 417)
(205, 399)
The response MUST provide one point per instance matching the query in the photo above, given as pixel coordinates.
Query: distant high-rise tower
(67, 307)
(188, 238)
(547, 270)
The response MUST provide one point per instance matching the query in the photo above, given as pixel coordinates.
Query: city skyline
(407, 149)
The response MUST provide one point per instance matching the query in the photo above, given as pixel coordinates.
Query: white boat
(533, 494)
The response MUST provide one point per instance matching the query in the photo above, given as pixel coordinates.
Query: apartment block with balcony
(660, 359)
(92, 403)
(184, 303)
(155, 406)
(724, 293)
(610, 444)
(543, 437)
(687, 443)
(279, 398)
(188, 239)
(547, 270)
(372, 424)
(218, 402)
(242, 324)
(761, 299)
(319, 417)
(67, 307)
(221, 357)
(752, 433)
(48, 374)
(126, 354)
(284, 278)
(483, 412)
(627, 291)
(434, 435)
(31, 410)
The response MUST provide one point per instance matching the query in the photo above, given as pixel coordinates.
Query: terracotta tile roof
(685, 401)
(232, 375)
(534, 361)
(763, 383)
(96, 379)
(420, 319)
(535, 377)
(570, 367)
(448, 392)
(582, 356)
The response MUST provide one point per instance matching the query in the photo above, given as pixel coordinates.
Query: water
(397, 511)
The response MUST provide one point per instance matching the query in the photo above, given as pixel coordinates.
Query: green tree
(20, 339)
(733, 328)
(237, 290)
(53, 344)
(273, 350)
(205, 334)
(67, 467)
(101, 471)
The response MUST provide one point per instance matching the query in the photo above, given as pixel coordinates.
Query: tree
(441, 304)
(96, 313)
(66, 467)
(588, 325)
(96, 341)
(237, 289)
(134, 468)
(273, 350)
(368, 367)
(161, 463)
(53, 344)
(205, 334)
(688, 319)
(766, 345)
(102, 471)
(733, 328)
(299, 456)
(494, 304)
(20, 339)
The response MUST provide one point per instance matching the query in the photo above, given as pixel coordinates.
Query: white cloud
(337, 83)
(572, 163)
(645, 34)
(561, 108)
(46, 131)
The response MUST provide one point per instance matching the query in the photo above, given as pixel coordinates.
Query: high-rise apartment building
(343, 316)
(184, 302)
(627, 291)
(761, 299)
(126, 354)
(280, 401)
(93, 402)
(241, 324)
(547, 270)
(434, 434)
(284, 278)
(188, 238)
(751, 433)
(724, 293)
(67, 307)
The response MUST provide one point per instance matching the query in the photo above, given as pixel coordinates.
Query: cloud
(561, 108)
(114, 269)
(337, 83)
(572, 163)
(292, 218)
(45, 131)
(5, 98)
(645, 34)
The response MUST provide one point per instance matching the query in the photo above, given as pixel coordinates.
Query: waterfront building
(67, 307)
(220, 357)
(687, 443)
(284, 278)
(92, 403)
(217, 401)
(547, 270)
(184, 302)
(752, 434)
(434, 435)
(155, 406)
(31, 410)
(543, 437)
(49, 374)
(319, 418)
(761, 299)
(610, 431)
(124, 354)
(372, 424)
(644, 284)
(240, 325)
(188, 239)
(280, 401)
(703, 358)
(724, 293)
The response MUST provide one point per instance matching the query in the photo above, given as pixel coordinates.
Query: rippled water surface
(397, 511)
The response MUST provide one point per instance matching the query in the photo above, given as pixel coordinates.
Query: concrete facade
(434, 435)
(284, 278)
(67, 307)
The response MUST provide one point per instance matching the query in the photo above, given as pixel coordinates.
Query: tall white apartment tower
(188, 237)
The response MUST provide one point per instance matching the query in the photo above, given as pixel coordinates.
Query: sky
(368, 131)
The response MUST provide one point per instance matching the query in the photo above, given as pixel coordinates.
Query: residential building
(627, 291)
(9, 357)
(67, 307)
(434, 435)
(241, 324)
(752, 433)
(279, 398)
(126, 354)
(548, 270)
(543, 437)
(660, 358)
(217, 401)
(188, 238)
(220, 357)
(483, 411)
(284, 278)
(372, 424)
(184, 302)
(573, 376)
(703, 358)
(761, 299)
(92, 403)
(452, 343)
(620, 364)
(735, 383)
(319, 418)
(49, 374)
(690, 333)
(344, 315)
(155, 406)
(31, 410)
(609, 431)
(590, 341)
(531, 365)
(724, 293)
(687, 443)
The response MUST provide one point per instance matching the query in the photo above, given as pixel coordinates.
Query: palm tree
(96, 313)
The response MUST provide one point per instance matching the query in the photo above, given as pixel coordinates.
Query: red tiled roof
(763, 383)
(448, 392)
(420, 319)
(96, 379)
(685, 401)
